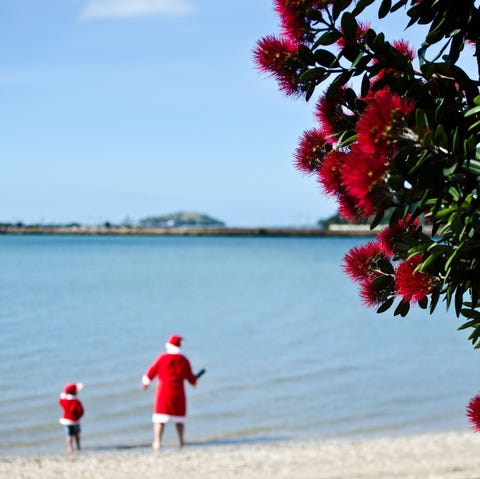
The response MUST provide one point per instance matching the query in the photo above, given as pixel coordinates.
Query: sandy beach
(445, 455)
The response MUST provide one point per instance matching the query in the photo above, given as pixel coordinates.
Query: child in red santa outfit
(72, 413)
(171, 369)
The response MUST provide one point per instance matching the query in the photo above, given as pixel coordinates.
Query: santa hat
(175, 340)
(73, 388)
(173, 344)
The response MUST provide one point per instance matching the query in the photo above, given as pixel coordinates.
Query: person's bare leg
(69, 443)
(77, 441)
(157, 434)
(180, 430)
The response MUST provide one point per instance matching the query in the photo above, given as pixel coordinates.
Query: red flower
(274, 55)
(388, 235)
(347, 208)
(370, 291)
(312, 148)
(330, 113)
(293, 17)
(473, 412)
(363, 177)
(361, 261)
(413, 285)
(384, 116)
(405, 48)
(330, 172)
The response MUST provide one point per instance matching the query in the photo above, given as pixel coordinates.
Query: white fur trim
(163, 418)
(172, 349)
(68, 422)
(67, 396)
(146, 380)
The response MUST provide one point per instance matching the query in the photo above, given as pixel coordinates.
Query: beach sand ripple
(433, 456)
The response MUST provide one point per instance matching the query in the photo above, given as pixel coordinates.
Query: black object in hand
(200, 373)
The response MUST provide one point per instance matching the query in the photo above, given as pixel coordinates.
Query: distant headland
(184, 223)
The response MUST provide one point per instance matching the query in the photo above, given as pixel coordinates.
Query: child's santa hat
(175, 340)
(73, 388)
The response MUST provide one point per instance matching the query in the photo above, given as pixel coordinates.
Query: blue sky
(129, 108)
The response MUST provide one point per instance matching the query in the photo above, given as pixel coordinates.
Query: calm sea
(290, 352)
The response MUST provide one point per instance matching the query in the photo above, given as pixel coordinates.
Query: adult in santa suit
(171, 369)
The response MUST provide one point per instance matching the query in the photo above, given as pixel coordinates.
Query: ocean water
(289, 350)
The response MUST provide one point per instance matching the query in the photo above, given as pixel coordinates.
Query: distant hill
(182, 218)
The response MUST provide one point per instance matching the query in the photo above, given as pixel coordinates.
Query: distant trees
(396, 136)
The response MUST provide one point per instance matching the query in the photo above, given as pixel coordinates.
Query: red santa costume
(171, 369)
(71, 405)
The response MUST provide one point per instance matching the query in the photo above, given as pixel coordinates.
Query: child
(72, 412)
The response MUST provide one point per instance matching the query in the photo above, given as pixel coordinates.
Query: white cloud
(131, 8)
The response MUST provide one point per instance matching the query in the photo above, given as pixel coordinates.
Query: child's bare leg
(157, 434)
(69, 443)
(77, 441)
(180, 430)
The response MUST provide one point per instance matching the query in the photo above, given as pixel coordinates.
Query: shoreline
(448, 455)
(344, 231)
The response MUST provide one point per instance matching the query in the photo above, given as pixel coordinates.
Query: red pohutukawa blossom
(388, 235)
(368, 164)
(411, 285)
(347, 208)
(370, 291)
(311, 149)
(405, 48)
(385, 115)
(473, 412)
(330, 113)
(330, 172)
(363, 177)
(272, 55)
(293, 17)
(361, 261)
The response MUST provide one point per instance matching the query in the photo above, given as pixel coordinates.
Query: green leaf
(317, 73)
(423, 303)
(365, 85)
(305, 55)
(376, 221)
(398, 5)
(458, 300)
(349, 26)
(440, 137)
(385, 306)
(402, 309)
(470, 313)
(361, 6)
(421, 120)
(339, 81)
(328, 38)
(310, 91)
(435, 296)
(474, 126)
(384, 9)
(473, 111)
(338, 7)
(454, 192)
(325, 58)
